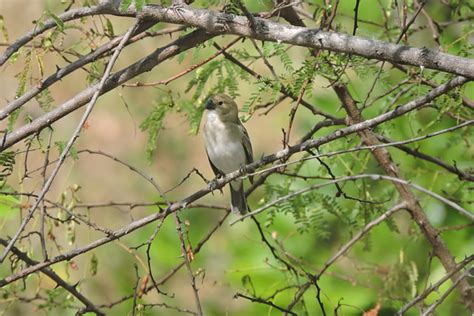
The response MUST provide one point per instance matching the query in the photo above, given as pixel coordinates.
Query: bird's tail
(238, 200)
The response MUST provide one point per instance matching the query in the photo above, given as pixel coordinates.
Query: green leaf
(23, 78)
(94, 264)
(45, 100)
(62, 145)
(152, 124)
(7, 205)
(248, 284)
(139, 4)
(125, 4)
(109, 28)
(193, 114)
(3, 29)
(57, 20)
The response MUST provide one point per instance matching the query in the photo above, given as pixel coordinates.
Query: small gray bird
(228, 145)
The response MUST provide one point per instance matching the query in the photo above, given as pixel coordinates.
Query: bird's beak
(210, 105)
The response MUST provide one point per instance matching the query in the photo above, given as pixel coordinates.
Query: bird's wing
(217, 172)
(247, 147)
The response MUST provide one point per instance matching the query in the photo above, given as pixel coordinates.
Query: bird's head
(225, 108)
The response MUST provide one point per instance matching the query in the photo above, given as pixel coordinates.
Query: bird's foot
(243, 170)
(212, 185)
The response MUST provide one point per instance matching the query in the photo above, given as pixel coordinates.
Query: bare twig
(68, 147)
(187, 263)
(263, 301)
(457, 207)
(435, 286)
(359, 235)
(460, 278)
(89, 306)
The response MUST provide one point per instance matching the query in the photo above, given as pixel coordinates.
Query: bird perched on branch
(228, 145)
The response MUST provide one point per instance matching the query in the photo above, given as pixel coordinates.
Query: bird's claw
(243, 169)
(178, 9)
(212, 184)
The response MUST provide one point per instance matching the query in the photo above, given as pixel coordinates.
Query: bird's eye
(220, 103)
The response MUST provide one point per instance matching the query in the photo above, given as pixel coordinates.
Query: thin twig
(263, 301)
(463, 275)
(455, 206)
(69, 145)
(188, 264)
(359, 235)
(435, 286)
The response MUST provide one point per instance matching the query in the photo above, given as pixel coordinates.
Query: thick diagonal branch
(413, 206)
(143, 65)
(264, 30)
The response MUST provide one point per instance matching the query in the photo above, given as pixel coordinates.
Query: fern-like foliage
(22, 82)
(45, 100)
(153, 124)
(310, 210)
(7, 162)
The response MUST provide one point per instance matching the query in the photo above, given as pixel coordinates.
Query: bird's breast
(224, 145)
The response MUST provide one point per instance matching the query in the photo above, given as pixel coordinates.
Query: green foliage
(125, 5)
(400, 280)
(7, 162)
(109, 28)
(256, 96)
(23, 75)
(193, 113)
(45, 100)
(57, 20)
(8, 203)
(202, 75)
(61, 145)
(3, 29)
(309, 210)
(305, 72)
(232, 7)
(96, 69)
(153, 124)
(22, 81)
(57, 298)
(247, 284)
(94, 264)
(279, 50)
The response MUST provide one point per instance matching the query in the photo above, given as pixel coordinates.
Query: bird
(228, 145)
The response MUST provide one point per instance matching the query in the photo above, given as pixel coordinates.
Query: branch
(219, 183)
(359, 235)
(435, 286)
(222, 23)
(263, 301)
(100, 52)
(429, 311)
(145, 64)
(455, 206)
(69, 145)
(56, 278)
(67, 16)
(187, 262)
(385, 161)
(416, 153)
